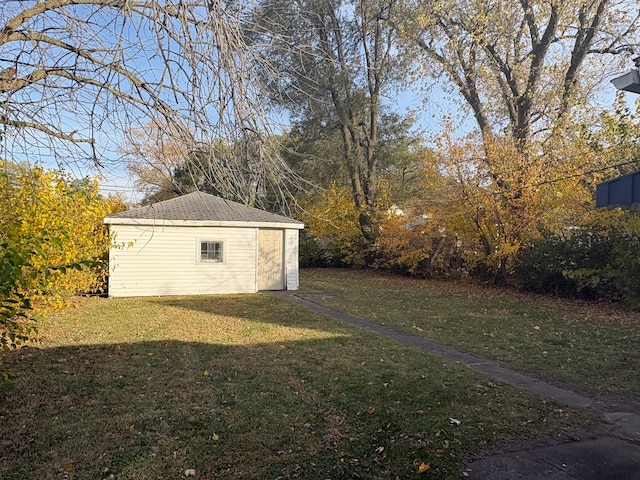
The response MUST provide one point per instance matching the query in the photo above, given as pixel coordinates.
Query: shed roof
(200, 207)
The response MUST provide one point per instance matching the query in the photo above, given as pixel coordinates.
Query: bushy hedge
(52, 239)
(595, 261)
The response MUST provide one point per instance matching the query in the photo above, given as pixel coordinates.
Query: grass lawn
(248, 386)
(593, 348)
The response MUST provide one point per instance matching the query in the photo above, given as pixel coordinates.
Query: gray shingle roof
(199, 206)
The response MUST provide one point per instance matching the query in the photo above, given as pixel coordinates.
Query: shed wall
(291, 239)
(164, 260)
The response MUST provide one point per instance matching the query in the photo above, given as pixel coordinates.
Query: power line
(588, 172)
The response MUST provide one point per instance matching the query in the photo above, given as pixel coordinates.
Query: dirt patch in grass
(246, 387)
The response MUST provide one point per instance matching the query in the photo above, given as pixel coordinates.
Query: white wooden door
(270, 259)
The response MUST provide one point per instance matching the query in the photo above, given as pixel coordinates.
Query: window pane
(211, 251)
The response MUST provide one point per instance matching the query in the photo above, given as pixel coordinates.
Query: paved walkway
(614, 453)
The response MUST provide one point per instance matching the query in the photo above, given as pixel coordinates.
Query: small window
(211, 252)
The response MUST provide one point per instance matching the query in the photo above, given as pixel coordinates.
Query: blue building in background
(622, 191)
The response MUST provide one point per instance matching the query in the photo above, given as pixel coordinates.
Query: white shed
(201, 244)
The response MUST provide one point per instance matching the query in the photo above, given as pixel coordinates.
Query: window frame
(221, 243)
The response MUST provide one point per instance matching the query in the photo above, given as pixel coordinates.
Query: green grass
(245, 386)
(593, 348)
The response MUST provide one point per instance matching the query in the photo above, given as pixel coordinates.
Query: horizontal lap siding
(164, 261)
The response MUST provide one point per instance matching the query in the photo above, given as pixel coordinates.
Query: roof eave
(158, 222)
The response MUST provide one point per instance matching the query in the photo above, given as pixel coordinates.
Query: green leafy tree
(613, 139)
(315, 153)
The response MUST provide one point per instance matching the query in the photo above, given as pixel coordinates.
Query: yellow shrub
(333, 221)
(67, 215)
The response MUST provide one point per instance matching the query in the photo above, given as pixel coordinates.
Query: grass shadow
(245, 386)
(258, 307)
(308, 409)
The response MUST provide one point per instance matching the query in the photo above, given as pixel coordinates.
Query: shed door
(270, 259)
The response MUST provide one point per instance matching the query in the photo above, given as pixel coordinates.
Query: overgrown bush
(52, 239)
(594, 261)
(16, 322)
(313, 253)
(36, 203)
(414, 245)
(333, 233)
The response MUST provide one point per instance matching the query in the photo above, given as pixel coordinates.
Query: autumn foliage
(491, 212)
(335, 234)
(53, 244)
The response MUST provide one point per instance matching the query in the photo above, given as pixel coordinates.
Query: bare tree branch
(80, 75)
(531, 69)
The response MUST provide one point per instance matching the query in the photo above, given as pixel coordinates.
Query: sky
(431, 108)
(429, 120)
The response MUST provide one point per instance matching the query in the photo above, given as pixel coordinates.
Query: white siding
(164, 260)
(291, 258)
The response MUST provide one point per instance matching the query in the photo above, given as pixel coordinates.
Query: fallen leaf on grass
(371, 409)
(423, 467)
(190, 472)
(380, 455)
(454, 421)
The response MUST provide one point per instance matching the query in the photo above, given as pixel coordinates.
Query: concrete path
(614, 455)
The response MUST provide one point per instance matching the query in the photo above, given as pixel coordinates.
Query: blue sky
(431, 107)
